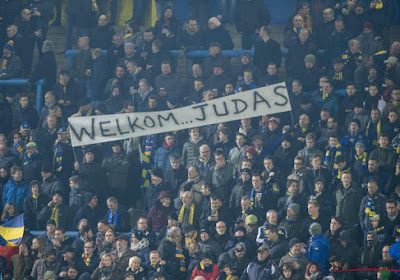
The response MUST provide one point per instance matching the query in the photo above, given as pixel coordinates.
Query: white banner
(252, 103)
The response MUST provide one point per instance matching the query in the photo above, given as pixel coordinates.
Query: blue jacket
(394, 252)
(161, 158)
(15, 192)
(318, 251)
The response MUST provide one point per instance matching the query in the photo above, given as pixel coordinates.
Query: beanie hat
(49, 251)
(310, 58)
(31, 145)
(9, 46)
(157, 172)
(357, 121)
(251, 150)
(215, 20)
(319, 179)
(243, 229)
(315, 229)
(251, 220)
(360, 142)
(295, 207)
(293, 242)
(163, 194)
(49, 275)
(186, 228)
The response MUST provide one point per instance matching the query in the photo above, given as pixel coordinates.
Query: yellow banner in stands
(124, 12)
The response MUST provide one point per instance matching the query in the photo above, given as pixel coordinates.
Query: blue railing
(19, 82)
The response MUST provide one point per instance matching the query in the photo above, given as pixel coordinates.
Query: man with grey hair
(272, 219)
(171, 250)
(117, 216)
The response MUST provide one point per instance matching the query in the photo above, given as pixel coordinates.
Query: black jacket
(32, 207)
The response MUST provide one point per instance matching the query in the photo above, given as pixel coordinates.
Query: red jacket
(213, 275)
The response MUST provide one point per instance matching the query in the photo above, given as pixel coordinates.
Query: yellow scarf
(189, 241)
(338, 76)
(362, 157)
(35, 196)
(395, 103)
(214, 212)
(64, 87)
(325, 95)
(94, 6)
(378, 132)
(55, 214)
(191, 214)
(378, 5)
(86, 260)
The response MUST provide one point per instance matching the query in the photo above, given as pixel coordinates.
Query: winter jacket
(87, 212)
(251, 15)
(158, 217)
(15, 192)
(370, 43)
(64, 217)
(41, 266)
(102, 37)
(318, 251)
(51, 185)
(218, 59)
(31, 167)
(93, 177)
(220, 35)
(32, 207)
(152, 193)
(116, 167)
(28, 114)
(265, 270)
(211, 247)
(14, 68)
(378, 201)
(191, 152)
(189, 42)
(229, 258)
(238, 191)
(347, 205)
(98, 79)
(123, 261)
(265, 53)
(174, 178)
(81, 61)
(212, 275)
(46, 69)
(161, 158)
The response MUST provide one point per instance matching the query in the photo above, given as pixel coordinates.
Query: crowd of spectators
(298, 195)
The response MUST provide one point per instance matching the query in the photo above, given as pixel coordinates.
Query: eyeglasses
(88, 247)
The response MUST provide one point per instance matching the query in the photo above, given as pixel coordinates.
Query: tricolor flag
(11, 233)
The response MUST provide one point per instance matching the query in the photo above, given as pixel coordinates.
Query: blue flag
(11, 233)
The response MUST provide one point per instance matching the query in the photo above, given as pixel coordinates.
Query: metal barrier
(19, 82)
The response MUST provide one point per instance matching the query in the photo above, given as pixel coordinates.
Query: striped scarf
(57, 160)
(86, 260)
(338, 76)
(179, 254)
(4, 70)
(146, 170)
(149, 145)
(336, 150)
(363, 159)
(370, 208)
(191, 214)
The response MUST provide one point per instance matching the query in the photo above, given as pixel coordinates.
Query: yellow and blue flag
(11, 233)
